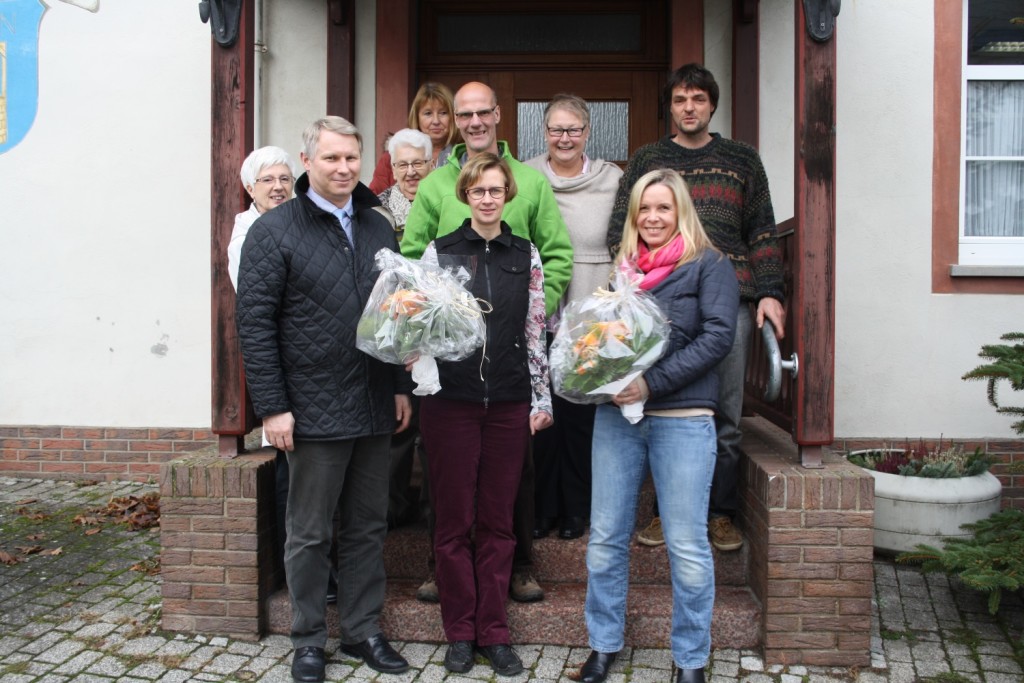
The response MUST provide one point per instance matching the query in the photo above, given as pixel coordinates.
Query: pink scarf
(658, 264)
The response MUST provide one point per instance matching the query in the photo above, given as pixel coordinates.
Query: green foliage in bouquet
(991, 561)
(605, 351)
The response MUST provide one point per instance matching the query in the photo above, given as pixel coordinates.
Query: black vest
(501, 277)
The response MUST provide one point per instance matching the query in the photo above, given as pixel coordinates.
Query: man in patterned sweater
(730, 190)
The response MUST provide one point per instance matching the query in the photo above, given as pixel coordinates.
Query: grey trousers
(353, 475)
(731, 378)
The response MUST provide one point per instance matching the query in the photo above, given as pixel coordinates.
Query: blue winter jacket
(700, 300)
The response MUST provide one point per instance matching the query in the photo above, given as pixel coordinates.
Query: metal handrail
(775, 362)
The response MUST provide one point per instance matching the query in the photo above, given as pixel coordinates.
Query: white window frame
(975, 250)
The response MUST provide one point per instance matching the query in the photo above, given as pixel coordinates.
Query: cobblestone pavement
(90, 614)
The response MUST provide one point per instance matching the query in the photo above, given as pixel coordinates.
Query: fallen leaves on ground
(25, 501)
(8, 559)
(149, 566)
(35, 537)
(138, 512)
(30, 514)
(29, 550)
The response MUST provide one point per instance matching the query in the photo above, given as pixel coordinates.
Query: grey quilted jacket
(301, 290)
(700, 300)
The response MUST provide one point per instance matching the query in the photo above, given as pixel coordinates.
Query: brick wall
(103, 453)
(217, 537)
(810, 535)
(1008, 455)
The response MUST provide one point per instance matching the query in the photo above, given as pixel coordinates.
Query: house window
(992, 139)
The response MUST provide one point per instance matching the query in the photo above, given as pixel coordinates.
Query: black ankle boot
(689, 675)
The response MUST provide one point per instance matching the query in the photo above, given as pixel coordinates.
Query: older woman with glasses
(268, 174)
(433, 113)
(585, 191)
(410, 153)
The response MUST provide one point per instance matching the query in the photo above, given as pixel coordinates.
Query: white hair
(407, 137)
(262, 158)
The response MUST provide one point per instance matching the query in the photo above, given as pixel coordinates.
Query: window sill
(957, 270)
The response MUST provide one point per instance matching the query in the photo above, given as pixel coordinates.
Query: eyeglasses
(403, 166)
(270, 180)
(479, 192)
(467, 116)
(571, 132)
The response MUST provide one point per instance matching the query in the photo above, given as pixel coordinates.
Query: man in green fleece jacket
(533, 214)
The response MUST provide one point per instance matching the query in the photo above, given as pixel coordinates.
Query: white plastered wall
(900, 349)
(295, 73)
(105, 218)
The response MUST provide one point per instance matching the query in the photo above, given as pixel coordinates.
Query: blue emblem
(19, 68)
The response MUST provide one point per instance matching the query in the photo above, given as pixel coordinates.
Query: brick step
(558, 619)
(558, 561)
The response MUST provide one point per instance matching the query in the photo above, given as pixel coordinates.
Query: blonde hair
(695, 240)
(439, 93)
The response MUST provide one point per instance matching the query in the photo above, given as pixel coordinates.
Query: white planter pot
(912, 510)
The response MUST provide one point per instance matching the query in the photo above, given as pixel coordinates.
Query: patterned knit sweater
(730, 190)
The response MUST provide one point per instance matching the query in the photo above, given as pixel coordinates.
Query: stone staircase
(560, 567)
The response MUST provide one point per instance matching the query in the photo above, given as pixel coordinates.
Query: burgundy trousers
(475, 454)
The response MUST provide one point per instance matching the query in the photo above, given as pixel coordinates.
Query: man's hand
(403, 411)
(539, 421)
(771, 308)
(278, 430)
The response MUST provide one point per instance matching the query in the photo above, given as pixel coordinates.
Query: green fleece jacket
(532, 215)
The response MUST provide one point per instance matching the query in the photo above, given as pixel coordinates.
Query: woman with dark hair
(477, 428)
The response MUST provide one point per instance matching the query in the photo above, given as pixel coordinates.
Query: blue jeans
(680, 454)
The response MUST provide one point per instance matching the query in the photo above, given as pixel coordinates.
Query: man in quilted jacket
(306, 272)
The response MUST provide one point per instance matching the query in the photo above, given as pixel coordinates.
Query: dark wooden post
(746, 41)
(341, 53)
(813, 305)
(231, 138)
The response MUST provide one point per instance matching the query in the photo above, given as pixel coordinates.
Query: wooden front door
(613, 54)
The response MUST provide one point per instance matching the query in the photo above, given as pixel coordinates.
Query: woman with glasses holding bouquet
(477, 427)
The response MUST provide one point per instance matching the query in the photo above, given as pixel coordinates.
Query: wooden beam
(745, 72)
(231, 134)
(341, 58)
(813, 306)
(396, 58)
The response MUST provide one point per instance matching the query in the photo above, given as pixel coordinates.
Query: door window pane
(609, 130)
(517, 33)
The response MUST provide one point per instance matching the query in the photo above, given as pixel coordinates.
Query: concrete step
(558, 619)
(557, 561)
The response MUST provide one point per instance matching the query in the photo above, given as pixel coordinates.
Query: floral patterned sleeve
(536, 338)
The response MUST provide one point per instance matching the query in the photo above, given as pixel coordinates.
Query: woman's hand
(539, 421)
(635, 391)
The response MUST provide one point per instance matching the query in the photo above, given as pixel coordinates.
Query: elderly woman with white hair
(268, 174)
(410, 152)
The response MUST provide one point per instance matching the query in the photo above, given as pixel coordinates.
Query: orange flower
(407, 302)
(587, 347)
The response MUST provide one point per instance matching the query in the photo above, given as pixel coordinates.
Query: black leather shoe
(378, 654)
(689, 675)
(596, 668)
(572, 527)
(308, 664)
(503, 659)
(543, 526)
(459, 658)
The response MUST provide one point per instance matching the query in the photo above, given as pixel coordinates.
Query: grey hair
(570, 103)
(407, 137)
(335, 124)
(262, 158)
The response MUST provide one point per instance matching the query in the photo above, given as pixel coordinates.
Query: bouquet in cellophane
(419, 311)
(607, 340)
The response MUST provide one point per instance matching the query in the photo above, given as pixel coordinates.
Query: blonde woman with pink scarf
(696, 288)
